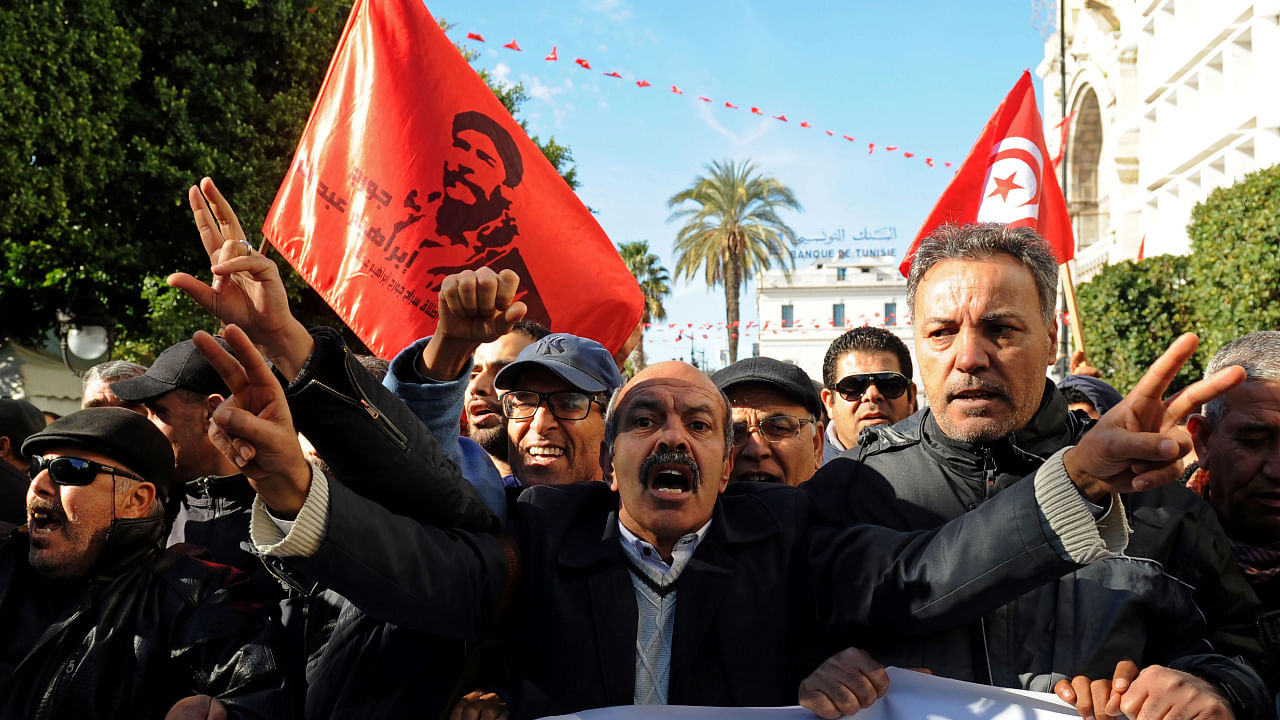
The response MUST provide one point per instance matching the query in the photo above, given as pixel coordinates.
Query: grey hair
(979, 241)
(111, 371)
(611, 421)
(1258, 353)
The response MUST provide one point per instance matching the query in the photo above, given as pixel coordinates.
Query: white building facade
(1171, 100)
(834, 288)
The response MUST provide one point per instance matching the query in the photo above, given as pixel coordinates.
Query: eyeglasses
(774, 428)
(66, 470)
(564, 404)
(890, 384)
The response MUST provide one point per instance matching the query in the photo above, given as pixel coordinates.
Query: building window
(891, 313)
(788, 315)
(840, 273)
(837, 314)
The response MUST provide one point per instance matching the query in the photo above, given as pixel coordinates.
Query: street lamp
(83, 336)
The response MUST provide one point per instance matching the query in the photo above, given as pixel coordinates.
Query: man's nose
(543, 419)
(42, 485)
(971, 351)
(755, 445)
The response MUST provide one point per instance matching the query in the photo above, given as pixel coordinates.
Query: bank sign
(843, 245)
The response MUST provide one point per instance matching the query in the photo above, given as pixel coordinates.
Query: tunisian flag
(409, 170)
(1007, 177)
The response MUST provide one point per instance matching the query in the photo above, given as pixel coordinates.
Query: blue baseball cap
(583, 363)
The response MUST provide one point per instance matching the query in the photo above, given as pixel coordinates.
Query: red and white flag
(1007, 177)
(409, 169)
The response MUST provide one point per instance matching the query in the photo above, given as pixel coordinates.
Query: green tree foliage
(732, 231)
(113, 108)
(1235, 246)
(654, 285)
(1131, 311)
(1227, 287)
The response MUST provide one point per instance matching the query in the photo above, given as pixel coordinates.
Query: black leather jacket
(147, 628)
(1177, 598)
(357, 666)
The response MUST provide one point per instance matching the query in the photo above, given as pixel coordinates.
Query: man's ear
(911, 397)
(819, 443)
(138, 500)
(828, 400)
(728, 470)
(212, 402)
(606, 467)
(1199, 428)
(1053, 342)
(6, 445)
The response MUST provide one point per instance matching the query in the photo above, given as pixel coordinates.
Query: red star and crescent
(1005, 186)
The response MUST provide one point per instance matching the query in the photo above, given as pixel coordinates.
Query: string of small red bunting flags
(663, 332)
(554, 56)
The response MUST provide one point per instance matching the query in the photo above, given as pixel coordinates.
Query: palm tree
(733, 230)
(653, 280)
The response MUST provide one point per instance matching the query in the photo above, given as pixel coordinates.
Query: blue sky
(924, 76)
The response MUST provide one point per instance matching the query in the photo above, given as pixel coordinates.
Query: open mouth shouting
(670, 475)
(482, 414)
(44, 519)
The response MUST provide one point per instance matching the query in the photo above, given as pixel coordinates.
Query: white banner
(911, 696)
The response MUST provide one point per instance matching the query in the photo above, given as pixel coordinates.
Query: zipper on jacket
(988, 474)
(391, 431)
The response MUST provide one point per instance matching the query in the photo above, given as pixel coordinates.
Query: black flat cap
(122, 435)
(179, 366)
(790, 379)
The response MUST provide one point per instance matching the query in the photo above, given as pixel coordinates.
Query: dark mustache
(974, 383)
(670, 457)
(52, 508)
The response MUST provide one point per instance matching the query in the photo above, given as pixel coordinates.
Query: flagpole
(1068, 284)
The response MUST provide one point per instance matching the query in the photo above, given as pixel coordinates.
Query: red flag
(704, 99)
(829, 133)
(871, 147)
(890, 148)
(1065, 124)
(613, 74)
(783, 118)
(928, 161)
(846, 137)
(676, 90)
(805, 124)
(513, 45)
(756, 111)
(906, 154)
(583, 63)
(730, 105)
(642, 83)
(390, 191)
(1004, 179)
(553, 55)
(475, 36)
(1142, 246)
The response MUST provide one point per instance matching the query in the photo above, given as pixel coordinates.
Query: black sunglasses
(66, 470)
(890, 384)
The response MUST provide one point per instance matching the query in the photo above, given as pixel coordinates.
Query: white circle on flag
(1012, 189)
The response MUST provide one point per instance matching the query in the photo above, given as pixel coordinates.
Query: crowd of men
(499, 523)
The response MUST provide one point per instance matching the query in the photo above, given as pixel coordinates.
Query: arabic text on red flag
(409, 170)
(1007, 177)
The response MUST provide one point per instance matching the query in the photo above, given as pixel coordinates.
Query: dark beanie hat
(1103, 396)
(122, 435)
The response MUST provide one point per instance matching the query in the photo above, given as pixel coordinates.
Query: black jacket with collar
(1176, 598)
(146, 628)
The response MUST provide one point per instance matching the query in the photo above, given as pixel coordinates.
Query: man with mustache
(98, 620)
(777, 426)
(982, 299)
